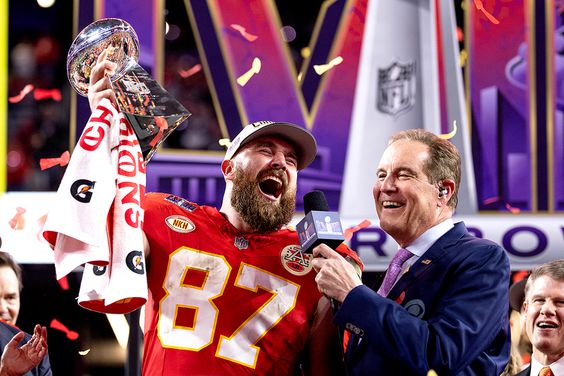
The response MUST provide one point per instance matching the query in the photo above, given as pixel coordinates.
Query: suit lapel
(428, 260)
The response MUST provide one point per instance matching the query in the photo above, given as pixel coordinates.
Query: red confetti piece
(64, 283)
(346, 339)
(401, 297)
(25, 91)
(459, 34)
(491, 200)
(243, 32)
(512, 209)
(350, 231)
(162, 124)
(40, 224)
(41, 94)
(489, 16)
(63, 160)
(57, 325)
(18, 221)
(521, 274)
(190, 71)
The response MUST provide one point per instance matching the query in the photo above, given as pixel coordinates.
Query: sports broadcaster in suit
(446, 309)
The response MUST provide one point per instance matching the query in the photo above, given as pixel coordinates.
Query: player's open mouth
(271, 186)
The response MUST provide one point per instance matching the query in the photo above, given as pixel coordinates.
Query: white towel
(97, 217)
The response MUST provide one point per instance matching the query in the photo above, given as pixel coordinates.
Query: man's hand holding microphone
(320, 232)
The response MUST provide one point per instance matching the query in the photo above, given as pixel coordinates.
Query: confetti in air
(451, 134)
(491, 200)
(489, 16)
(459, 34)
(18, 220)
(350, 231)
(190, 71)
(463, 58)
(25, 91)
(84, 352)
(63, 160)
(57, 325)
(243, 32)
(512, 209)
(320, 69)
(41, 94)
(401, 297)
(225, 142)
(64, 283)
(255, 69)
(40, 224)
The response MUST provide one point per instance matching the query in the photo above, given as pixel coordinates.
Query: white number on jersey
(240, 347)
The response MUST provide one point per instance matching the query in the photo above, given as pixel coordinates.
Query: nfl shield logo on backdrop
(396, 88)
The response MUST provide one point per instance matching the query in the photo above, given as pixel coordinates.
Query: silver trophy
(150, 109)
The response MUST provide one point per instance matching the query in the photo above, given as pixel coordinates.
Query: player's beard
(261, 214)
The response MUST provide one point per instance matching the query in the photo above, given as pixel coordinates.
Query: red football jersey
(222, 302)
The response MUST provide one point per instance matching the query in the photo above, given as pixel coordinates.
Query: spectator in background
(520, 355)
(10, 288)
(544, 319)
(32, 357)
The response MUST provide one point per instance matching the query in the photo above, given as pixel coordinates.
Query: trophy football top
(114, 35)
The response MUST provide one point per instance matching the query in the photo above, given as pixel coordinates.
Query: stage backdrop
(373, 68)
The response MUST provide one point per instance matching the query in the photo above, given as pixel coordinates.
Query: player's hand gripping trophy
(150, 109)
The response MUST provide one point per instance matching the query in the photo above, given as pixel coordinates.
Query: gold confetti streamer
(225, 142)
(320, 69)
(255, 69)
(451, 134)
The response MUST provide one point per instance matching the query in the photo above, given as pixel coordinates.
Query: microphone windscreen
(315, 200)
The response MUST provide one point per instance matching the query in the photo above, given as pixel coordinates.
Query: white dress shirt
(556, 367)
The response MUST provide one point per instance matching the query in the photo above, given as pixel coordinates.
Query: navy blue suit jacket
(452, 315)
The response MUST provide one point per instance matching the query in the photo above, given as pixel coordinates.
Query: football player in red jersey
(230, 291)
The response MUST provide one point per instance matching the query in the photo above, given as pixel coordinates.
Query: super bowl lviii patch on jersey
(295, 261)
(180, 224)
(184, 204)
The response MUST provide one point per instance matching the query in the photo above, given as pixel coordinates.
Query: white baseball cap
(300, 138)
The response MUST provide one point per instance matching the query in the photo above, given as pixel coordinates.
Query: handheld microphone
(319, 225)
